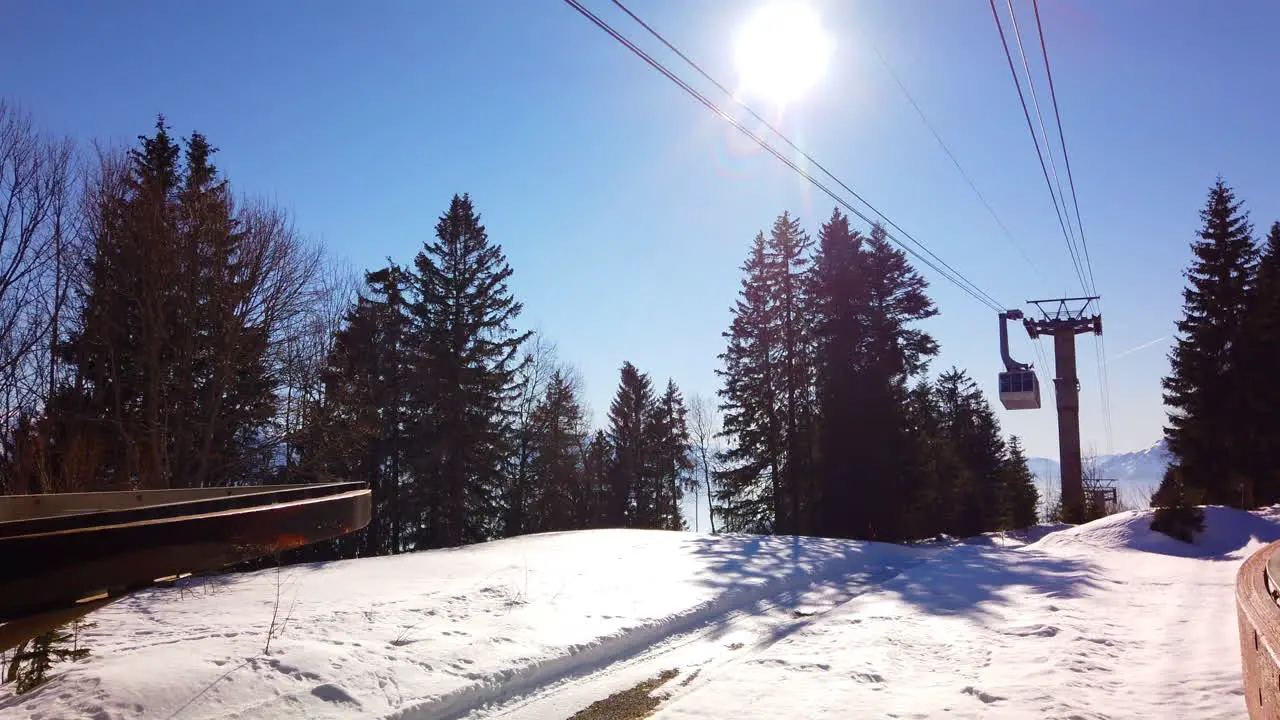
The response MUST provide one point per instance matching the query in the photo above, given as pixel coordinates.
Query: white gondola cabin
(1019, 387)
(1020, 390)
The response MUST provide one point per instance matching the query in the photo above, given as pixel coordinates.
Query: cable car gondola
(1019, 387)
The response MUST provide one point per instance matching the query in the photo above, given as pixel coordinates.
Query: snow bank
(1101, 620)
(1105, 620)
(424, 634)
(1228, 533)
(1014, 538)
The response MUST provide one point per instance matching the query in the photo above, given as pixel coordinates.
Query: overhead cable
(924, 254)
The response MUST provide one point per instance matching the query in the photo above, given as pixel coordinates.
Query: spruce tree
(340, 436)
(978, 492)
(897, 351)
(934, 473)
(356, 429)
(597, 477)
(125, 335)
(559, 489)
(464, 361)
(533, 386)
(867, 299)
(672, 457)
(1177, 513)
(840, 291)
(1205, 390)
(899, 298)
(1261, 348)
(1020, 495)
(787, 255)
(633, 493)
(171, 352)
(33, 660)
(750, 495)
(227, 396)
(389, 287)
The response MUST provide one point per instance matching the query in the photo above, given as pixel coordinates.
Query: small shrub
(1176, 513)
(33, 660)
(1181, 522)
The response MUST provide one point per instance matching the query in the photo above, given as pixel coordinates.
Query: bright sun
(781, 52)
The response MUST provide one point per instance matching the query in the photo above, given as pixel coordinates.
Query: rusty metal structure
(1101, 497)
(63, 555)
(1063, 319)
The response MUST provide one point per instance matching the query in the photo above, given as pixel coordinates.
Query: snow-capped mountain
(1134, 471)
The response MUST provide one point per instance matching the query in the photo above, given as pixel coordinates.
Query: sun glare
(781, 52)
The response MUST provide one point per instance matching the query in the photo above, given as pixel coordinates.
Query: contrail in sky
(1143, 346)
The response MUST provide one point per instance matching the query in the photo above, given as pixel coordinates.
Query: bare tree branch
(37, 188)
(703, 430)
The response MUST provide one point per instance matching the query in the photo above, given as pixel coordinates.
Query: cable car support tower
(1062, 319)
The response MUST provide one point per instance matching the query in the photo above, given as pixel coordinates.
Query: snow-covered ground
(1106, 620)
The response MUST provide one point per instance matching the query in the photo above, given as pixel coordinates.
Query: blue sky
(626, 209)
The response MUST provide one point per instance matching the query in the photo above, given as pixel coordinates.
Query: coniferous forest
(159, 330)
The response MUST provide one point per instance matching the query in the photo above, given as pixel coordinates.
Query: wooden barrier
(1258, 614)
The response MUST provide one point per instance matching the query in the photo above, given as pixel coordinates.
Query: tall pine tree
(935, 471)
(178, 307)
(121, 347)
(978, 492)
(597, 478)
(671, 457)
(841, 300)
(1261, 348)
(751, 494)
(1021, 499)
(1205, 390)
(561, 498)
(356, 428)
(632, 498)
(868, 299)
(787, 255)
(228, 395)
(463, 369)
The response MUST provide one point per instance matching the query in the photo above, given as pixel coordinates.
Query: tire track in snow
(515, 689)
(704, 673)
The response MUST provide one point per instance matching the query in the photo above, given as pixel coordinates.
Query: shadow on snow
(820, 574)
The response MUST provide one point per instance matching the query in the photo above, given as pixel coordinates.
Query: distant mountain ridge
(1134, 472)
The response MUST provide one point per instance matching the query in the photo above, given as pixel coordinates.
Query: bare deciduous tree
(37, 188)
(274, 312)
(531, 383)
(302, 355)
(703, 431)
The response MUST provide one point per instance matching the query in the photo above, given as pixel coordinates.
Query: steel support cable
(1066, 157)
(1046, 368)
(955, 277)
(1061, 197)
(822, 168)
(1104, 389)
(1100, 348)
(1026, 112)
(954, 160)
(1044, 131)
